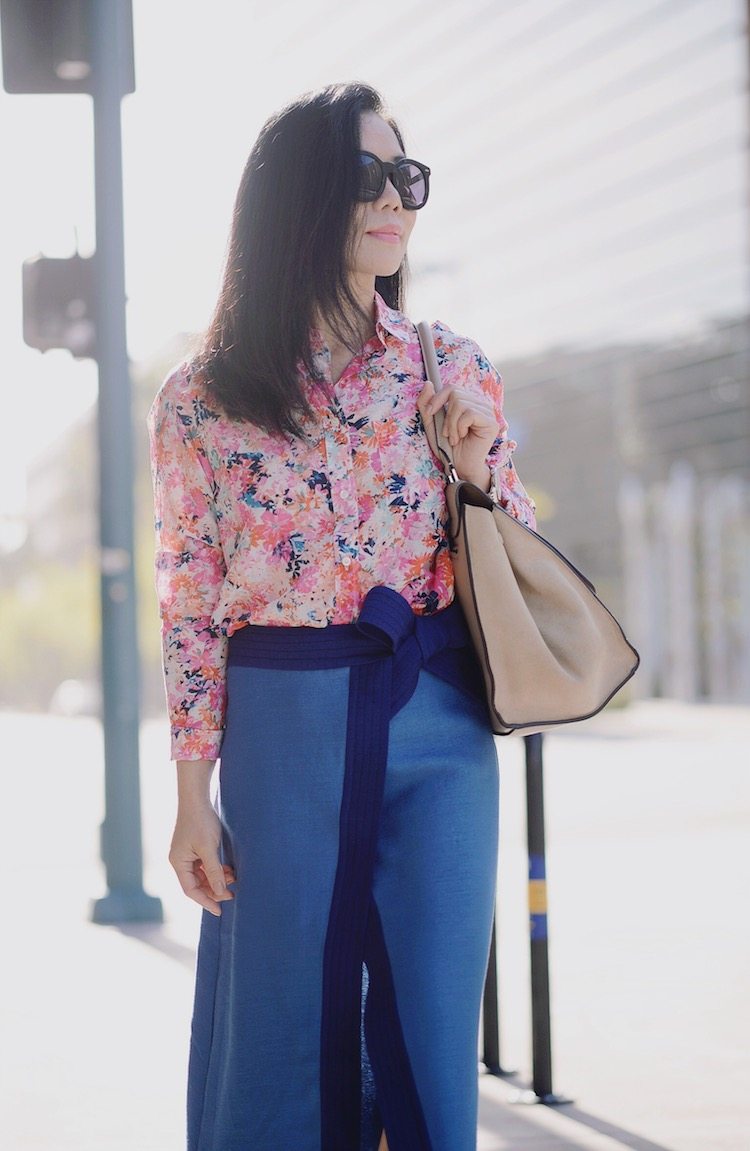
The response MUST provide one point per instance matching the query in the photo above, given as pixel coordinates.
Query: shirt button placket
(344, 498)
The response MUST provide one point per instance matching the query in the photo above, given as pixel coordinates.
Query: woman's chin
(379, 268)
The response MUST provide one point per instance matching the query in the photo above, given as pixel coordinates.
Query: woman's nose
(390, 194)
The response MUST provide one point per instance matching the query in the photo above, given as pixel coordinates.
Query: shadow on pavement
(498, 1120)
(618, 1134)
(155, 935)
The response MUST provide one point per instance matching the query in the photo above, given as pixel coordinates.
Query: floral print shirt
(253, 527)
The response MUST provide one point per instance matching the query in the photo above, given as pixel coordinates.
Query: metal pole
(121, 830)
(541, 1033)
(490, 1011)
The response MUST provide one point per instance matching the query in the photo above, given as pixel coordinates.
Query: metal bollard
(541, 1031)
(490, 1014)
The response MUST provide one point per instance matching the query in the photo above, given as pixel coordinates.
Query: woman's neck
(364, 293)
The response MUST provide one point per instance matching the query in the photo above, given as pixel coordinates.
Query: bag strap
(439, 444)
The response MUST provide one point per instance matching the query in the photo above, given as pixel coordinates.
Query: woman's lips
(387, 237)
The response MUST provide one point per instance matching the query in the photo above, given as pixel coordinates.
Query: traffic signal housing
(47, 45)
(58, 304)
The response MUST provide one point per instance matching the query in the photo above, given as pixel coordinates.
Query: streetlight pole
(121, 830)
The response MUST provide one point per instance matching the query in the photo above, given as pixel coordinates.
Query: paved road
(647, 812)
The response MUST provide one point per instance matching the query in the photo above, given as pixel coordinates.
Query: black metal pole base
(498, 1071)
(527, 1096)
(127, 906)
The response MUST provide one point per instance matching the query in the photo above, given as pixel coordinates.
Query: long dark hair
(286, 258)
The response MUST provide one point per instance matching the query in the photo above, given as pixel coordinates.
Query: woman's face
(381, 227)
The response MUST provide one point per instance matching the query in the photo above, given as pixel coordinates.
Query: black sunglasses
(410, 179)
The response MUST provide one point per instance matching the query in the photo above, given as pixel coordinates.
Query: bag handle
(438, 442)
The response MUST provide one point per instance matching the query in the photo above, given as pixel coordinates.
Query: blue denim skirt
(339, 993)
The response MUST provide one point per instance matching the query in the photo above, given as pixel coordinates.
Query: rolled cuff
(509, 492)
(195, 742)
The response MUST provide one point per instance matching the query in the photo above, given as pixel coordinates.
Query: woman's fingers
(464, 412)
(216, 877)
(194, 855)
(423, 400)
(200, 883)
(194, 882)
(470, 425)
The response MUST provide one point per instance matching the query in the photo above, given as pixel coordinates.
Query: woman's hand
(469, 425)
(194, 852)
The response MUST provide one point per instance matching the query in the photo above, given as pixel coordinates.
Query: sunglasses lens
(411, 184)
(409, 179)
(370, 178)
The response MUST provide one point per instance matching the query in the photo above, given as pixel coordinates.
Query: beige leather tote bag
(551, 653)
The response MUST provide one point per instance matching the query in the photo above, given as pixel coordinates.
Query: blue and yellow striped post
(541, 1032)
(537, 897)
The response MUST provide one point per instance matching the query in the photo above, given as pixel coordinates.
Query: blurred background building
(588, 226)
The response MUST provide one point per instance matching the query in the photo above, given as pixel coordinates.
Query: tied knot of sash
(413, 641)
(386, 632)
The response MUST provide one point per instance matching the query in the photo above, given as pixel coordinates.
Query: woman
(347, 872)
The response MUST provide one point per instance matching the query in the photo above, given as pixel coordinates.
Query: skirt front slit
(340, 991)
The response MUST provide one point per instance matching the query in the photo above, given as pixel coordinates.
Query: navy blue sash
(386, 648)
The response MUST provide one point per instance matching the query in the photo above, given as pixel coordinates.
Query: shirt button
(346, 560)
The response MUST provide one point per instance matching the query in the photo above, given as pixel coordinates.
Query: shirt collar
(387, 319)
(392, 321)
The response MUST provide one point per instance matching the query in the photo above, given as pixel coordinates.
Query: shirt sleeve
(475, 366)
(190, 570)
(512, 496)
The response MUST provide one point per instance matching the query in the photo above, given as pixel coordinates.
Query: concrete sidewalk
(647, 814)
